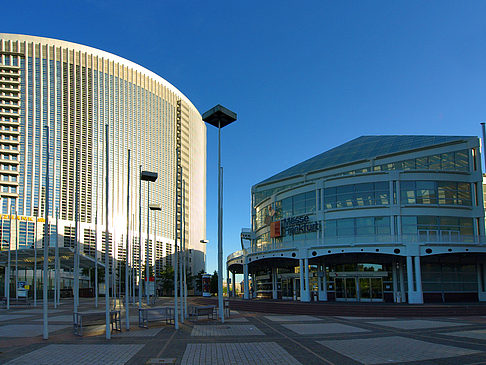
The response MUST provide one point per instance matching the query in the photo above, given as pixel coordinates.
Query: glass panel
(376, 288)
(350, 288)
(364, 288)
(339, 288)
(345, 227)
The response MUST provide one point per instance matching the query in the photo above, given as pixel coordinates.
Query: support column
(410, 287)
(322, 284)
(246, 283)
(234, 284)
(418, 281)
(395, 282)
(301, 273)
(481, 283)
(415, 295)
(274, 283)
(306, 295)
(402, 283)
(228, 291)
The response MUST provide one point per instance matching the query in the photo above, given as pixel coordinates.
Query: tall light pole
(155, 207)
(220, 117)
(148, 176)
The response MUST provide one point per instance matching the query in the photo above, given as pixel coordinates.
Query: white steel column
(395, 282)
(418, 280)
(306, 282)
(274, 283)
(410, 289)
(234, 283)
(402, 283)
(480, 269)
(246, 289)
(301, 274)
(322, 287)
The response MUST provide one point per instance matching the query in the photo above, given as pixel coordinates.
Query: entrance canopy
(26, 258)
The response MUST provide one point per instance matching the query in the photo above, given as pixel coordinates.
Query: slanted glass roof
(363, 148)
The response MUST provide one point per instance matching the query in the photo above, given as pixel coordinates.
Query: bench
(155, 314)
(80, 318)
(197, 311)
(14, 301)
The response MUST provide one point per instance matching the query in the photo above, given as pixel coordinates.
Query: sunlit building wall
(75, 91)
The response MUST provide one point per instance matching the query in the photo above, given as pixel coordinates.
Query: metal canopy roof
(364, 148)
(66, 258)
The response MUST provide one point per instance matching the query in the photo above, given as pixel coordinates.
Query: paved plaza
(246, 338)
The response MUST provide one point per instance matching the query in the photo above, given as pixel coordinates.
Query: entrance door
(376, 289)
(346, 289)
(371, 289)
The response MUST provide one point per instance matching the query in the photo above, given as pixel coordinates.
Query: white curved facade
(380, 218)
(76, 90)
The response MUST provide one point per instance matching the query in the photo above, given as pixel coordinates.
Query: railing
(363, 240)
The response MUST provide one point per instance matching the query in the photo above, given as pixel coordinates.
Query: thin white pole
(184, 245)
(96, 260)
(127, 311)
(9, 268)
(220, 229)
(147, 246)
(76, 236)
(46, 241)
(140, 239)
(16, 254)
(176, 320)
(56, 263)
(107, 236)
(132, 271)
(35, 259)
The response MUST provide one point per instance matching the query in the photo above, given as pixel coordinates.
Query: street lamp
(155, 207)
(205, 242)
(148, 176)
(220, 117)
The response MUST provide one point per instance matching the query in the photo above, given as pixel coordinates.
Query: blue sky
(303, 76)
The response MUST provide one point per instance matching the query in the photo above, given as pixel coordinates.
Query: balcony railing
(365, 240)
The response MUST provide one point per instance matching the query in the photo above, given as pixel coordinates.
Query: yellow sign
(22, 218)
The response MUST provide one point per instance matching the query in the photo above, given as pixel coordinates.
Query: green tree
(198, 280)
(166, 280)
(213, 284)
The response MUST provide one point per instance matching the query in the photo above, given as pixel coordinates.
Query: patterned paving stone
(226, 330)
(413, 324)
(38, 311)
(477, 334)
(322, 328)
(65, 318)
(293, 318)
(378, 350)
(364, 318)
(28, 330)
(151, 332)
(9, 317)
(262, 353)
(237, 320)
(79, 354)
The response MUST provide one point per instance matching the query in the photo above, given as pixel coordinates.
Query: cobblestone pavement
(247, 338)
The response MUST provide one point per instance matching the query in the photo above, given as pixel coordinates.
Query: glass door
(351, 293)
(346, 289)
(340, 292)
(376, 289)
(364, 289)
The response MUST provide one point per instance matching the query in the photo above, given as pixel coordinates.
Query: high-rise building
(74, 91)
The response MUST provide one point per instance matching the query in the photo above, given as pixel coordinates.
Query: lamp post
(155, 207)
(148, 176)
(205, 242)
(220, 117)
